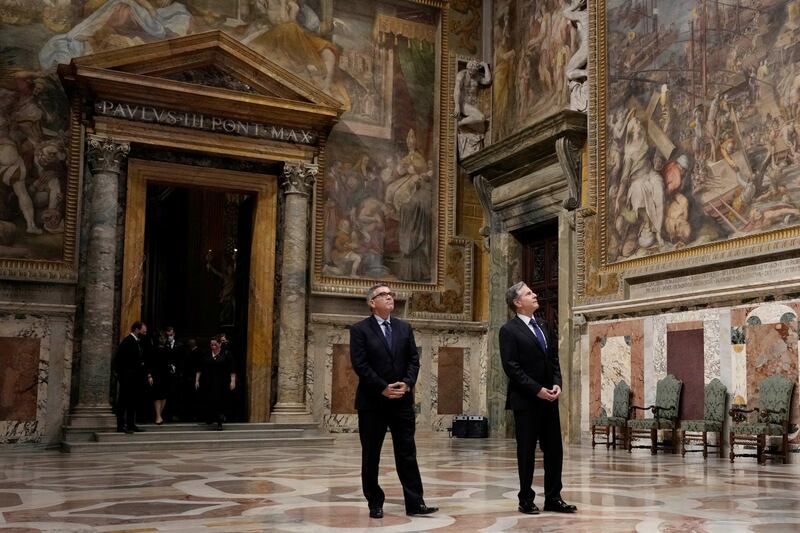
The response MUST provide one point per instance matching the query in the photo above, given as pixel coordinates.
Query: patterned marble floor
(318, 490)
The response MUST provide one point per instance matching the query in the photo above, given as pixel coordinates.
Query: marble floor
(317, 489)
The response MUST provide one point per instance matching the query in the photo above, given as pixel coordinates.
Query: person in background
(217, 377)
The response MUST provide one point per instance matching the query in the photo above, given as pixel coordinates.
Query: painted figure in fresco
(298, 46)
(13, 175)
(504, 74)
(471, 122)
(227, 293)
(578, 14)
(640, 198)
(116, 24)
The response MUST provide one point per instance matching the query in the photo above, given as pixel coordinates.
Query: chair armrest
(738, 414)
(640, 408)
(657, 409)
(764, 413)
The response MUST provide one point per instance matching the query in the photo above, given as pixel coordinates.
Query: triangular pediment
(201, 70)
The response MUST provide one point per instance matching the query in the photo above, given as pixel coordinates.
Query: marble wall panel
(615, 362)
(19, 380)
(685, 361)
(450, 381)
(25, 346)
(598, 333)
(343, 381)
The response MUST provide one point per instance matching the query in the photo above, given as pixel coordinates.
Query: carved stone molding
(568, 151)
(298, 178)
(105, 154)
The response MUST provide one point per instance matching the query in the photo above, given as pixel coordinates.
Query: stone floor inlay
(317, 489)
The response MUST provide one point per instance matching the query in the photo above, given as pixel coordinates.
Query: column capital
(106, 155)
(298, 178)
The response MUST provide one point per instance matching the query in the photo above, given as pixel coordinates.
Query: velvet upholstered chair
(775, 400)
(665, 416)
(607, 425)
(715, 399)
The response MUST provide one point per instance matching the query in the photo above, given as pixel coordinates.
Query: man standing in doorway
(129, 366)
(385, 357)
(530, 359)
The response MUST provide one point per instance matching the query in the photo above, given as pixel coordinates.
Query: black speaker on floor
(477, 427)
(460, 426)
(470, 427)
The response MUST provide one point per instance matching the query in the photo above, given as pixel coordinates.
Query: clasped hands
(395, 390)
(549, 394)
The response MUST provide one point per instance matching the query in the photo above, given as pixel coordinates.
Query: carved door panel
(540, 270)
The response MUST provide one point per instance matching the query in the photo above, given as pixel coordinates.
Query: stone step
(194, 426)
(135, 445)
(209, 433)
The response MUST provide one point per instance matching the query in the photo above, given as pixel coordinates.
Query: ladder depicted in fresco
(720, 209)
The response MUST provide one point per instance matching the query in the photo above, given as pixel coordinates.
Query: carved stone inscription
(739, 277)
(199, 121)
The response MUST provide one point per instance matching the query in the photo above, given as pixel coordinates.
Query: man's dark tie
(539, 335)
(388, 332)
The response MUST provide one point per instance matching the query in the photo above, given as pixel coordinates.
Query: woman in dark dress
(159, 376)
(217, 376)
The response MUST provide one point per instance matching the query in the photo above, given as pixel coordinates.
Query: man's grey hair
(512, 294)
(371, 291)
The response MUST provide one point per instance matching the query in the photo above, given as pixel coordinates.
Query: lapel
(378, 330)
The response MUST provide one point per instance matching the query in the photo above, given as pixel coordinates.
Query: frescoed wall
(533, 43)
(700, 123)
(378, 58)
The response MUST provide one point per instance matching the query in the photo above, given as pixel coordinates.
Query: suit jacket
(527, 365)
(129, 362)
(377, 364)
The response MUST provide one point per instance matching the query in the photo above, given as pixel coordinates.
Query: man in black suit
(129, 365)
(530, 359)
(385, 357)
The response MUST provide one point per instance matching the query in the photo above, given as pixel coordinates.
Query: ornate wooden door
(540, 269)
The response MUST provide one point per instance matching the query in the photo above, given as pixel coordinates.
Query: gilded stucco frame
(596, 240)
(443, 145)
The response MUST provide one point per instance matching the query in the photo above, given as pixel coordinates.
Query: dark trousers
(542, 425)
(372, 430)
(126, 402)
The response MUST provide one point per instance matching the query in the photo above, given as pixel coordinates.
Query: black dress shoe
(421, 510)
(120, 430)
(376, 512)
(528, 507)
(136, 429)
(559, 506)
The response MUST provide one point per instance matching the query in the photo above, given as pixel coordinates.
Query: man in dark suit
(129, 365)
(385, 357)
(530, 359)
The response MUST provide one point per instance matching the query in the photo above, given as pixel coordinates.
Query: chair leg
(593, 430)
(629, 437)
(675, 442)
(705, 445)
(683, 443)
(608, 440)
(614, 437)
(719, 442)
(732, 443)
(653, 441)
(785, 448)
(760, 443)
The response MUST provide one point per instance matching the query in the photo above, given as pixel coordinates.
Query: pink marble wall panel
(772, 349)
(451, 381)
(685, 361)
(597, 333)
(19, 378)
(343, 381)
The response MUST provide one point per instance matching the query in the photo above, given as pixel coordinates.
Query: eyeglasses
(383, 295)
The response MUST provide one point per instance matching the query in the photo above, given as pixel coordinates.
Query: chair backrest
(715, 399)
(668, 396)
(775, 393)
(622, 399)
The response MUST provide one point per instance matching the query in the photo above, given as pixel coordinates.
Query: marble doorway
(258, 331)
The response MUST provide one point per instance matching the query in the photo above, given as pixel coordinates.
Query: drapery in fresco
(701, 123)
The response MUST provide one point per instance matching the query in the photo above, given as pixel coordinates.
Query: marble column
(298, 182)
(106, 159)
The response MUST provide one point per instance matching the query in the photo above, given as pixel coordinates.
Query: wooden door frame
(261, 289)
